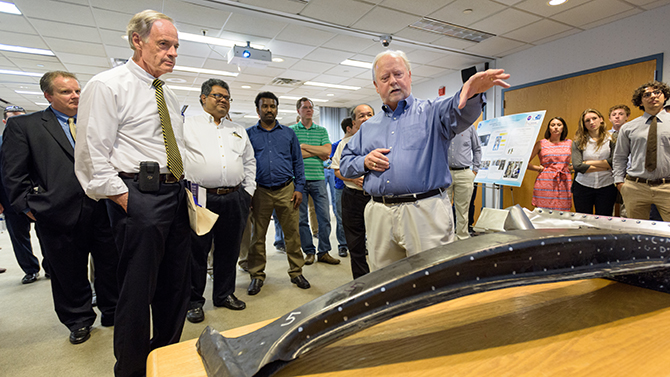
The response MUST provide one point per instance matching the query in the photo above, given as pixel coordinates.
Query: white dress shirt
(218, 156)
(335, 161)
(119, 126)
(596, 179)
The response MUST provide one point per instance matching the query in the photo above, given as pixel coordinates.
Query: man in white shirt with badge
(220, 159)
(130, 134)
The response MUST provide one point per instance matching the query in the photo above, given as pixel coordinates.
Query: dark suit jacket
(38, 170)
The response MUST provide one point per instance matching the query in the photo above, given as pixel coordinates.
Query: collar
(210, 119)
(403, 105)
(139, 72)
(62, 117)
(648, 116)
(300, 125)
(277, 125)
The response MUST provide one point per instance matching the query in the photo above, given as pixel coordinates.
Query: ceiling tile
(652, 4)
(24, 40)
(341, 12)
(417, 35)
(540, 7)
(206, 17)
(330, 79)
(325, 55)
(49, 63)
(286, 63)
(113, 38)
(309, 66)
(557, 36)
(421, 8)
(349, 43)
(129, 7)
(428, 71)
(293, 50)
(299, 75)
(304, 35)
(591, 12)
(345, 70)
(65, 31)
(495, 46)
(15, 23)
(242, 23)
(607, 20)
(424, 56)
(453, 12)
(56, 11)
(85, 69)
(539, 30)
(286, 6)
(99, 61)
(383, 20)
(455, 43)
(507, 20)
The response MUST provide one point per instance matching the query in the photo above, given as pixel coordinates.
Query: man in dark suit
(18, 225)
(38, 175)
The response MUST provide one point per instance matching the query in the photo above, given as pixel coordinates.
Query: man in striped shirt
(315, 146)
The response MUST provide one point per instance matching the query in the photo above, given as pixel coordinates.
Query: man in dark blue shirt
(280, 178)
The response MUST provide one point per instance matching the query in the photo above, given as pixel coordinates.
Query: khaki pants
(461, 192)
(638, 198)
(396, 231)
(263, 203)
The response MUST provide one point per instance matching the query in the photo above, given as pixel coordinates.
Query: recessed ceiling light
(357, 63)
(245, 87)
(179, 81)
(277, 60)
(556, 2)
(204, 70)
(330, 95)
(26, 50)
(20, 73)
(297, 98)
(9, 8)
(467, 11)
(334, 86)
(251, 116)
(42, 103)
(177, 87)
(29, 92)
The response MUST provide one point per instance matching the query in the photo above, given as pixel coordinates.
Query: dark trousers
(18, 226)
(585, 198)
(353, 208)
(233, 211)
(68, 253)
(153, 239)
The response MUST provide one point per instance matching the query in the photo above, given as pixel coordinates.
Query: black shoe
(255, 287)
(301, 282)
(309, 259)
(195, 315)
(107, 320)
(343, 252)
(30, 278)
(233, 303)
(326, 258)
(80, 335)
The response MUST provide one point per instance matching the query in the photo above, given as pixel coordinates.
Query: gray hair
(206, 87)
(391, 53)
(142, 22)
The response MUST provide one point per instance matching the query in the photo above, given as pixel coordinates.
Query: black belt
(650, 182)
(467, 167)
(164, 178)
(406, 198)
(223, 190)
(280, 186)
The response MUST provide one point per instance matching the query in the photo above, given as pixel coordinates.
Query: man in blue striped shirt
(402, 152)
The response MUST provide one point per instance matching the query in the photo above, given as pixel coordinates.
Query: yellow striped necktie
(174, 161)
(73, 128)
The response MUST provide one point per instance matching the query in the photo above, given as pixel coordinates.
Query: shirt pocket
(413, 136)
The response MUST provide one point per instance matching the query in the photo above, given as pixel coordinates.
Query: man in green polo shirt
(316, 148)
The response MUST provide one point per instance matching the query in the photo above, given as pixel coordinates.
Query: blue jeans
(339, 230)
(317, 190)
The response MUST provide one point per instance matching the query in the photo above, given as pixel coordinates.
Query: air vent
(281, 81)
(444, 28)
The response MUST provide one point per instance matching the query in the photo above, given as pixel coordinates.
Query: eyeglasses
(655, 93)
(219, 97)
(14, 109)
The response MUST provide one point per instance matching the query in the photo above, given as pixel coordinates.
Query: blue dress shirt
(418, 133)
(62, 119)
(278, 156)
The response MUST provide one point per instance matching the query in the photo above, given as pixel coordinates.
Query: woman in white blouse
(592, 150)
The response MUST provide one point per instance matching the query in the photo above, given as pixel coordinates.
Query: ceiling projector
(249, 56)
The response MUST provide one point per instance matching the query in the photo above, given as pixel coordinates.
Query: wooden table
(581, 328)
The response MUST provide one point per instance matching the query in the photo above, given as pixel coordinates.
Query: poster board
(507, 143)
